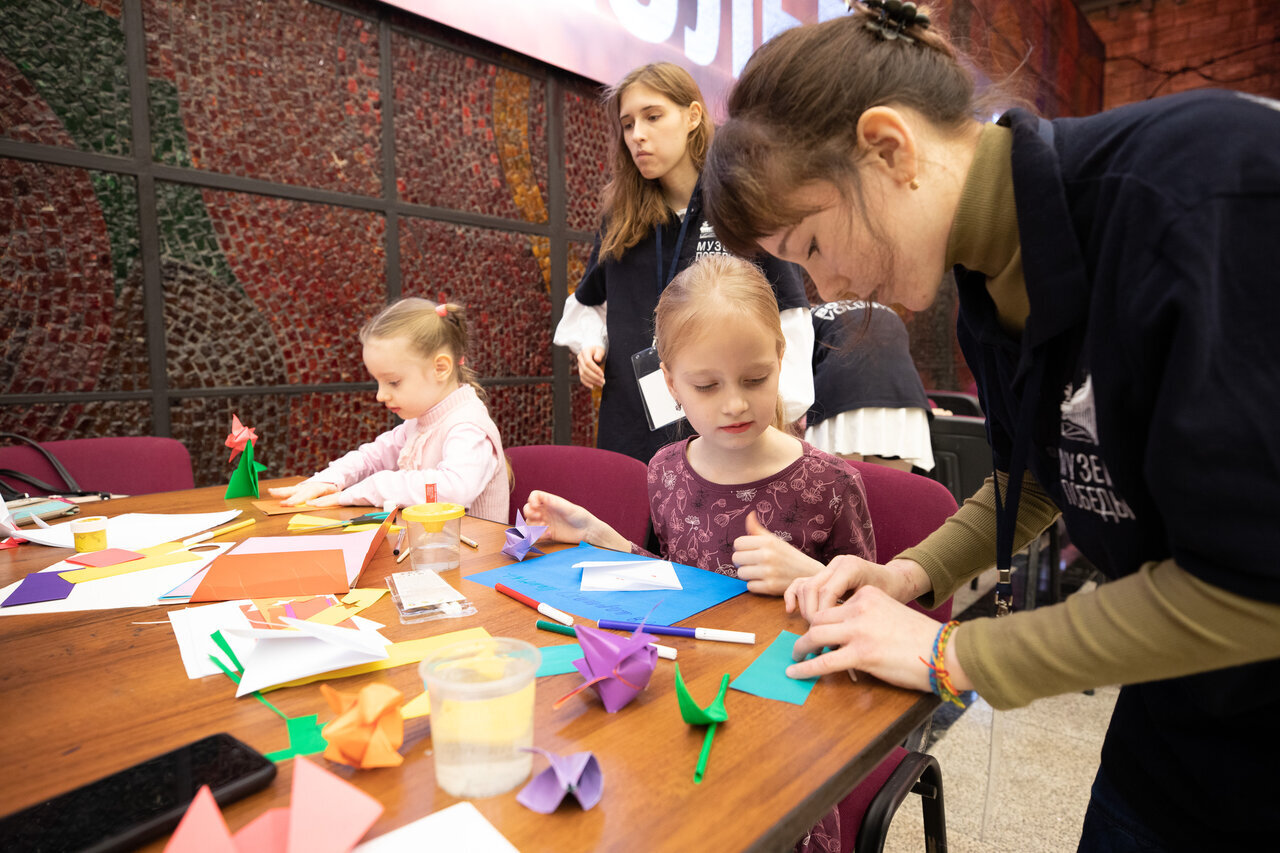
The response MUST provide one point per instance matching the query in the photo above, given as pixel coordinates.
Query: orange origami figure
(368, 729)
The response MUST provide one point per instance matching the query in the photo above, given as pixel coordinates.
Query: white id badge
(659, 405)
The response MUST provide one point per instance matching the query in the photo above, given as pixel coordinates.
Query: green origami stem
(701, 769)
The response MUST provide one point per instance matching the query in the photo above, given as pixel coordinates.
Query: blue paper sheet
(553, 580)
(557, 660)
(767, 675)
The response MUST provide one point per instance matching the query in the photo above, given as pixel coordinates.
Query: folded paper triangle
(616, 667)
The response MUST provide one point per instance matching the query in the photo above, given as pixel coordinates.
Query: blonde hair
(633, 205)
(700, 297)
(419, 321)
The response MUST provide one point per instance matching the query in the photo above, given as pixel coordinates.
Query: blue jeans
(1110, 826)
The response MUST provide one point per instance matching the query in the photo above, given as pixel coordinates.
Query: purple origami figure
(617, 667)
(521, 538)
(578, 774)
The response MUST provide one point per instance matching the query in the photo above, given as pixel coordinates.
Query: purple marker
(676, 631)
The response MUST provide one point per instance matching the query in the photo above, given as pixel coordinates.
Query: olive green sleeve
(966, 544)
(1159, 622)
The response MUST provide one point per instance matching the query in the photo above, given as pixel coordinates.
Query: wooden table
(86, 693)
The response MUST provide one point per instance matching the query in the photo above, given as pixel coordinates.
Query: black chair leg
(918, 773)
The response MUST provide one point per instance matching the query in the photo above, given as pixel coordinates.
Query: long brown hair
(793, 118)
(632, 204)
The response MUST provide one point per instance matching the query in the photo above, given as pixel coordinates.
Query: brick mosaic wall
(300, 163)
(1194, 44)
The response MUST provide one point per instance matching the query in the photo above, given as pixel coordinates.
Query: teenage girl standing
(416, 351)
(653, 228)
(1114, 277)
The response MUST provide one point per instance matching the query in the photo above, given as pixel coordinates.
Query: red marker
(545, 609)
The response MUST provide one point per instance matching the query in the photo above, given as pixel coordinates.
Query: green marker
(556, 628)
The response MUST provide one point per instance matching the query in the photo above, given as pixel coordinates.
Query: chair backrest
(612, 486)
(126, 465)
(904, 508)
(961, 453)
(957, 402)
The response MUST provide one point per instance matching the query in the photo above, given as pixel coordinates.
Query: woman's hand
(310, 492)
(589, 369)
(567, 522)
(768, 564)
(903, 580)
(873, 633)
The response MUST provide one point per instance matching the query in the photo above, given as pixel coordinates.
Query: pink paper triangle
(327, 814)
(202, 829)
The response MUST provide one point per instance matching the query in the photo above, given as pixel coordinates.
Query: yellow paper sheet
(164, 554)
(352, 603)
(398, 654)
(418, 706)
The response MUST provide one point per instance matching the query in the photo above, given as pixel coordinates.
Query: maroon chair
(124, 465)
(612, 486)
(904, 509)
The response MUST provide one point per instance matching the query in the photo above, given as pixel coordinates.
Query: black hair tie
(895, 17)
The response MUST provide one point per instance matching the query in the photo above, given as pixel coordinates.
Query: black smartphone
(127, 809)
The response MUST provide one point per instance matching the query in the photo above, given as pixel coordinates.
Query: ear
(666, 375)
(695, 115)
(885, 135)
(443, 366)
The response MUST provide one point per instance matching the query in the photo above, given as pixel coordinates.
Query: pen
(404, 554)
(209, 534)
(399, 541)
(545, 609)
(665, 652)
(469, 542)
(697, 633)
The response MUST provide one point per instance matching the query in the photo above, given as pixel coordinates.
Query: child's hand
(589, 369)
(568, 522)
(766, 563)
(308, 492)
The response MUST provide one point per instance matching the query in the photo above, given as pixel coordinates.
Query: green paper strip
(305, 738)
(217, 637)
(255, 694)
(701, 769)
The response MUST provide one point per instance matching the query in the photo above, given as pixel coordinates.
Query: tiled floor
(1047, 757)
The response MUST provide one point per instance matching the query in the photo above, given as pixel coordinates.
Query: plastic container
(481, 697)
(434, 531)
(89, 534)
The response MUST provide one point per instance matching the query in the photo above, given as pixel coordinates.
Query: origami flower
(617, 667)
(578, 774)
(368, 729)
(240, 436)
(521, 538)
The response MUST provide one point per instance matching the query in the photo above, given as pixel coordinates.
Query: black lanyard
(675, 260)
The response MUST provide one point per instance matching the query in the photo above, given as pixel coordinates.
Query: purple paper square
(39, 586)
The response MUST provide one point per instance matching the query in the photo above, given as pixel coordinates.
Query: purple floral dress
(816, 503)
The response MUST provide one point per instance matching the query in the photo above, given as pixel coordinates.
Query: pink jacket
(455, 445)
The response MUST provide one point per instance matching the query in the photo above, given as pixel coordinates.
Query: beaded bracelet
(939, 678)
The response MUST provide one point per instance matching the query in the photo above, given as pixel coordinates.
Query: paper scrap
(459, 827)
(767, 674)
(164, 554)
(105, 557)
(310, 649)
(39, 586)
(398, 654)
(557, 660)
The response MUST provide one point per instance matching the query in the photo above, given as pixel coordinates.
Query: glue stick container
(89, 534)
(434, 531)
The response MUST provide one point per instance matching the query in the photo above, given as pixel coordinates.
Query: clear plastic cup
(481, 696)
(434, 532)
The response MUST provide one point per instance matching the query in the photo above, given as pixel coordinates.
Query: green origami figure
(710, 716)
(244, 480)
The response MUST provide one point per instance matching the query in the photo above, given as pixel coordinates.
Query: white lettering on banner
(653, 22)
(702, 43)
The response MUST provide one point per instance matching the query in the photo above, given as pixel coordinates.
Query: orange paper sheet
(289, 573)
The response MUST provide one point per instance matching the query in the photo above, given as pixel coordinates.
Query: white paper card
(658, 400)
(459, 827)
(628, 576)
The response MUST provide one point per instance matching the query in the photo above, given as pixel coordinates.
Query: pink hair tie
(461, 360)
(442, 310)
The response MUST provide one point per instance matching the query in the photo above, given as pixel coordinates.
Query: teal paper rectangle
(767, 675)
(557, 660)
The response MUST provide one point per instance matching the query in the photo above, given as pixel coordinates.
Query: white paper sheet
(134, 589)
(133, 530)
(459, 827)
(193, 628)
(280, 656)
(628, 576)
